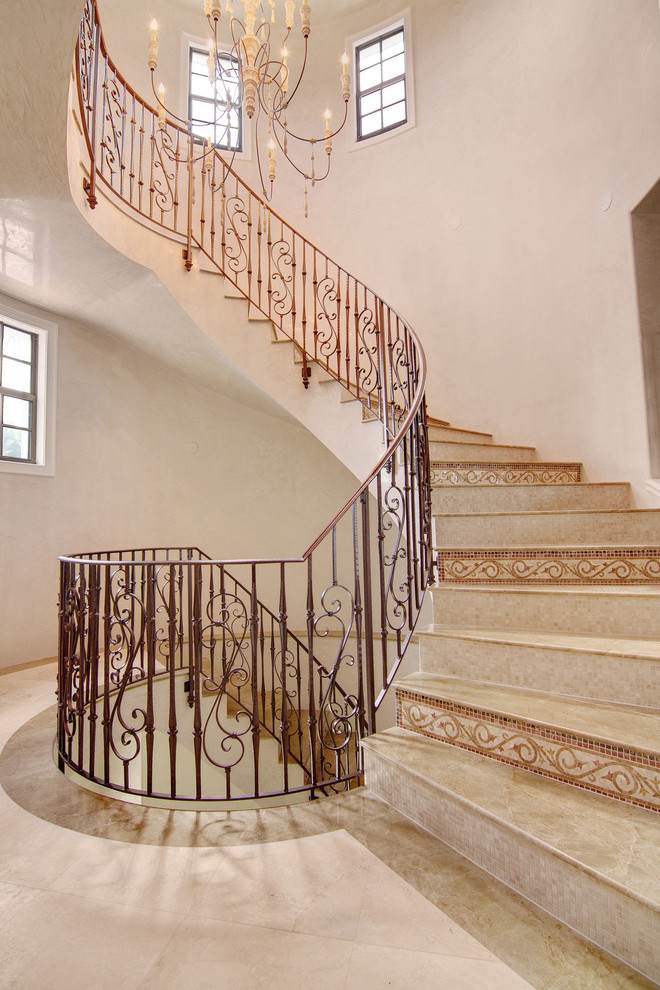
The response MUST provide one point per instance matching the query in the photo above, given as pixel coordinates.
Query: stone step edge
(545, 513)
(570, 590)
(430, 693)
(611, 769)
(371, 743)
(485, 438)
(585, 486)
(571, 642)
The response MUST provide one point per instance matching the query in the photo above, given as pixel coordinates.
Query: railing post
(284, 713)
(64, 639)
(368, 616)
(254, 653)
(311, 702)
(187, 253)
(90, 187)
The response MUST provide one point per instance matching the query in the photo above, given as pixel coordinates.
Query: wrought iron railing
(218, 634)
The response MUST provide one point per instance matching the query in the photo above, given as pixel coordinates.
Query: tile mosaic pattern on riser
(616, 772)
(629, 565)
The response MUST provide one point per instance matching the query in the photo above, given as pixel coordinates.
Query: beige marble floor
(340, 893)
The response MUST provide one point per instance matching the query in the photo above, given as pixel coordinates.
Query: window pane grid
(381, 96)
(18, 388)
(215, 110)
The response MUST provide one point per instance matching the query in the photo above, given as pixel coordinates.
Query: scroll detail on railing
(181, 677)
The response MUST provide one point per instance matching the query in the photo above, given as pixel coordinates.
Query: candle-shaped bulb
(161, 106)
(290, 6)
(271, 160)
(152, 60)
(285, 70)
(328, 132)
(345, 81)
(207, 7)
(305, 11)
(210, 62)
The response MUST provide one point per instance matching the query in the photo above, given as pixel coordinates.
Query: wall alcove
(646, 241)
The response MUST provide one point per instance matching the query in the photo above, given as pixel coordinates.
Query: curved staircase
(529, 739)
(178, 673)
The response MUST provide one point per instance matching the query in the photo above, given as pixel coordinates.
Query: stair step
(609, 749)
(551, 565)
(459, 451)
(626, 671)
(489, 472)
(588, 611)
(590, 862)
(530, 498)
(585, 527)
(441, 433)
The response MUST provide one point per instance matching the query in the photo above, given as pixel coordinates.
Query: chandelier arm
(161, 104)
(302, 73)
(324, 137)
(267, 196)
(291, 162)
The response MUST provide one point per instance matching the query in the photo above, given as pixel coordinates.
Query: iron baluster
(150, 634)
(254, 655)
(368, 614)
(172, 729)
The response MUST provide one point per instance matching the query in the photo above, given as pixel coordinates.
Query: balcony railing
(177, 673)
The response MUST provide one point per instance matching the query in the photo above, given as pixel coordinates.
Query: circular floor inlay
(30, 777)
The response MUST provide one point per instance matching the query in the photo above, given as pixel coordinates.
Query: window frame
(381, 86)
(45, 335)
(386, 28)
(198, 47)
(31, 395)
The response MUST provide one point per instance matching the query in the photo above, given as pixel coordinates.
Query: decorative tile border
(617, 772)
(620, 565)
(487, 473)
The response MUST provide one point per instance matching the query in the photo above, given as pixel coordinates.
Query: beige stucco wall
(500, 224)
(124, 478)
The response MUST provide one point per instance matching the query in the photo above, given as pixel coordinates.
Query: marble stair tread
(452, 450)
(620, 725)
(617, 842)
(440, 433)
(463, 499)
(620, 646)
(561, 527)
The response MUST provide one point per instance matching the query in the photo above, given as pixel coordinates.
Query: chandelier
(247, 58)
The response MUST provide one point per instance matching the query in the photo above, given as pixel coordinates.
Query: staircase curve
(178, 673)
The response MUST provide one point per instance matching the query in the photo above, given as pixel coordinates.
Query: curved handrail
(125, 608)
